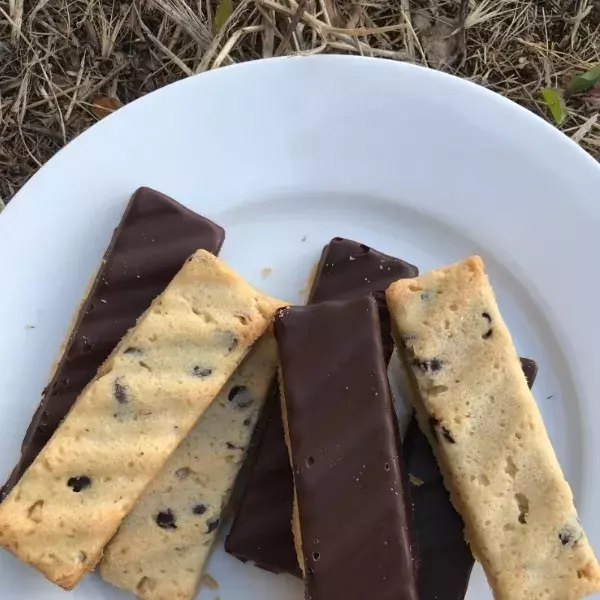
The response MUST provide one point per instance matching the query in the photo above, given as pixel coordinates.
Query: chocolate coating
(530, 369)
(261, 528)
(348, 474)
(445, 558)
(261, 531)
(348, 270)
(154, 238)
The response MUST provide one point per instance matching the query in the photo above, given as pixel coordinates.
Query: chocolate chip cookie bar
(161, 548)
(155, 237)
(125, 424)
(488, 436)
(351, 524)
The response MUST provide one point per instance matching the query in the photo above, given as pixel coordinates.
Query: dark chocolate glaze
(348, 270)
(261, 530)
(530, 370)
(263, 533)
(349, 480)
(445, 560)
(154, 238)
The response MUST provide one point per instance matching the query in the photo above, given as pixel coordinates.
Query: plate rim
(24, 201)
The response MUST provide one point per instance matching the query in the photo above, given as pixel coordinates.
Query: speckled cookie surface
(489, 438)
(162, 545)
(131, 417)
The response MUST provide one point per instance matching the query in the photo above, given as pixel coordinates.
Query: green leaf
(222, 14)
(556, 104)
(584, 81)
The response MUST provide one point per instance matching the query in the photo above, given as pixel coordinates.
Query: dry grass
(66, 63)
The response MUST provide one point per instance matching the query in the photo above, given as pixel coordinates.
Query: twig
(175, 59)
(287, 36)
(462, 31)
(580, 134)
(77, 84)
(15, 8)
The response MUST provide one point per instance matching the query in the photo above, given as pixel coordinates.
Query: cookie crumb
(264, 273)
(415, 480)
(210, 582)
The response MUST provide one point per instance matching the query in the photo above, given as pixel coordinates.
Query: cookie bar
(155, 237)
(352, 521)
(126, 422)
(162, 545)
(445, 559)
(261, 528)
(489, 438)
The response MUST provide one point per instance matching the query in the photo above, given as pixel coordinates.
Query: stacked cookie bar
(488, 436)
(110, 437)
(131, 458)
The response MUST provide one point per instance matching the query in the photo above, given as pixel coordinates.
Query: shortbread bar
(351, 520)
(161, 548)
(488, 436)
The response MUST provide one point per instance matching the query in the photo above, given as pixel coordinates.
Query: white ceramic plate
(286, 154)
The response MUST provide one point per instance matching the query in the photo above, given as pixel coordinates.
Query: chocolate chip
(240, 396)
(437, 428)
(247, 422)
(120, 393)
(166, 519)
(569, 535)
(228, 339)
(428, 365)
(231, 446)
(199, 509)
(488, 333)
(79, 483)
(448, 435)
(202, 372)
(132, 350)
(433, 424)
(212, 524)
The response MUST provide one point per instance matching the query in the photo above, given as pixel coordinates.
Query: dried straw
(66, 63)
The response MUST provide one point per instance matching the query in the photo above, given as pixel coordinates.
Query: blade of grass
(222, 14)
(556, 104)
(584, 81)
